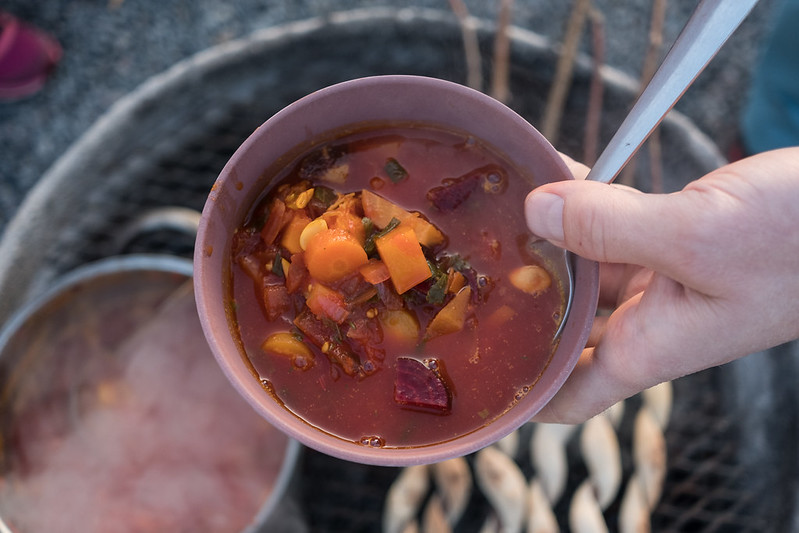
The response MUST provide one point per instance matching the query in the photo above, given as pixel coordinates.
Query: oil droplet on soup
(402, 289)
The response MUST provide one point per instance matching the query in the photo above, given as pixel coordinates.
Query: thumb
(606, 223)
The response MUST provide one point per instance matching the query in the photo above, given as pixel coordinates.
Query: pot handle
(171, 218)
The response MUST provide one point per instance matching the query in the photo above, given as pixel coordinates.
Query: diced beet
(453, 192)
(421, 386)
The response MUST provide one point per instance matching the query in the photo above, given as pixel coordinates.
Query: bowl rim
(207, 252)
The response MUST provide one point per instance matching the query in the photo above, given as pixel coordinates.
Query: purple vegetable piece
(421, 385)
(453, 192)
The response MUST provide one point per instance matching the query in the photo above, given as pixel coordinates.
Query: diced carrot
(291, 233)
(400, 251)
(375, 271)
(333, 254)
(455, 281)
(381, 211)
(324, 302)
(451, 317)
(287, 345)
(347, 221)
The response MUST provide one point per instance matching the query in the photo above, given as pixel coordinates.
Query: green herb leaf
(393, 223)
(438, 291)
(369, 245)
(396, 172)
(459, 263)
(324, 195)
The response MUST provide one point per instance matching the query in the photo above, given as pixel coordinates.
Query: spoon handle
(706, 31)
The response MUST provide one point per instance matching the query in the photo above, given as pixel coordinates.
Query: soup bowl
(349, 106)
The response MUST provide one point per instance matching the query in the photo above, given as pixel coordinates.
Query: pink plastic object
(27, 56)
(382, 99)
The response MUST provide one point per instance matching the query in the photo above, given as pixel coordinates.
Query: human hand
(695, 278)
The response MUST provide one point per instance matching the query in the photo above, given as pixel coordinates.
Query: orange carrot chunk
(375, 271)
(347, 221)
(333, 254)
(291, 233)
(400, 251)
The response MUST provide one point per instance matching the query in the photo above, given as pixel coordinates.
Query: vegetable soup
(384, 290)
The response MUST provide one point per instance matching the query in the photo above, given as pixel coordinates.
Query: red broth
(474, 197)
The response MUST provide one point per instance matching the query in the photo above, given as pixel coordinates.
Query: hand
(695, 278)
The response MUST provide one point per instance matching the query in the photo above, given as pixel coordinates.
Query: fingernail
(544, 213)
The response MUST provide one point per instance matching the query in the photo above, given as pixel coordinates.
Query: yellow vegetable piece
(298, 200)
(403, 256)
(400, 325)
(293, 231)
(451, 317)
(313, 227)
(531, 279)
(381, 211)
(286, 344)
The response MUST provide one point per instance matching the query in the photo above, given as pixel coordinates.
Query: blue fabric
(771, 116)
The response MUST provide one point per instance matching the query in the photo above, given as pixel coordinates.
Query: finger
(610, 223)
(578, 170)
(612, 280)
(599, 379)
(638, 348)
(597, 329)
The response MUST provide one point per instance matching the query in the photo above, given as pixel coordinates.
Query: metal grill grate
(708, 487)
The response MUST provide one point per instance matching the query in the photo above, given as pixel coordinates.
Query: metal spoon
(709, 27)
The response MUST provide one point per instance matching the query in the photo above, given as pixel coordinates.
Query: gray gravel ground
(112, 46)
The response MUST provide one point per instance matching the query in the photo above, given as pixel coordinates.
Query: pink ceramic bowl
(382, 98)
